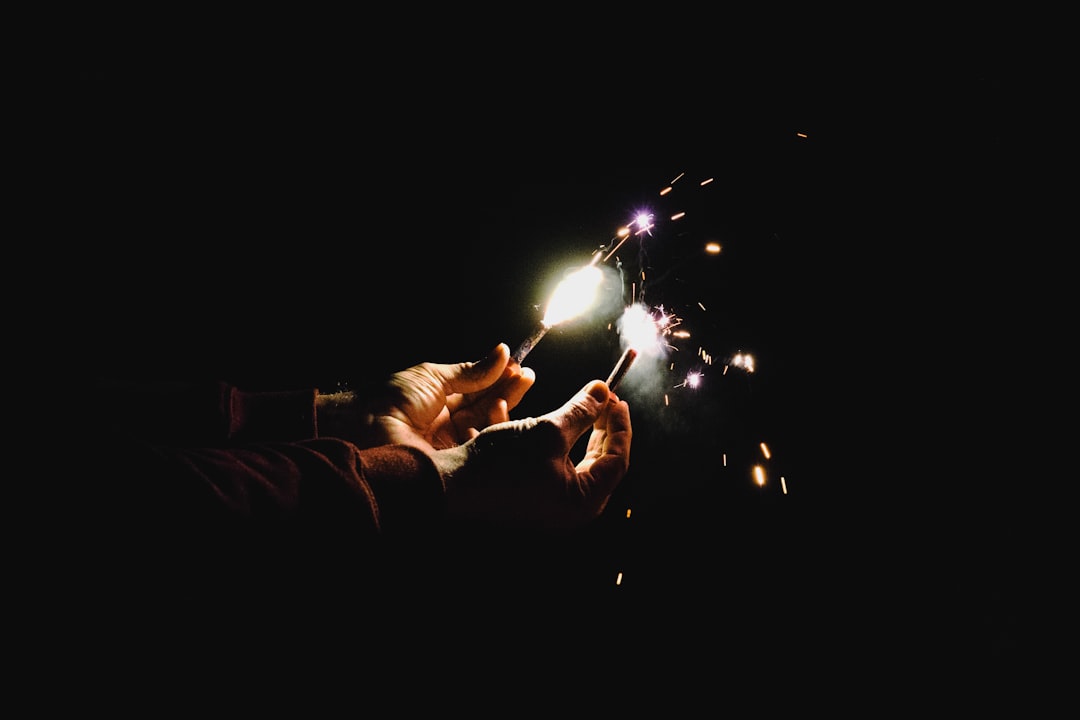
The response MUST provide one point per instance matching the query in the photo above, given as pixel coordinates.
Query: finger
(619, 431)
(469, 377)
(517, 385)
(579, 413)
(608, 459)
(499, 413)
(511, 387)
(611, 431)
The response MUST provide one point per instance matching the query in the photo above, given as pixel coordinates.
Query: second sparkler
(619, 371)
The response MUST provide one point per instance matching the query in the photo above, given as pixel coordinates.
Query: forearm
(322, 490)
(201, 413)
(342, 415)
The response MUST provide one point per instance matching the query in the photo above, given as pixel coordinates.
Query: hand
(430, 405)
(519, 473)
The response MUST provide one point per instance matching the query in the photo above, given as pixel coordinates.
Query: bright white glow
(640, 330)
(644, 222)
(573, 295)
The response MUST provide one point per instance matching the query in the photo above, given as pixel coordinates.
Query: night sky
(285, 222)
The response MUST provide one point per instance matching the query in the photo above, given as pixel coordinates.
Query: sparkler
(573, 296)
(624, 363)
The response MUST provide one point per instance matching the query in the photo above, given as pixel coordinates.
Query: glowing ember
(745, 361)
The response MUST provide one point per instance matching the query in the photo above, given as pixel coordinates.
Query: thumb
(467, 377)
(579, 413)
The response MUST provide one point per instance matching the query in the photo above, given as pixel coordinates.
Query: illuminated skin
(514, 473)
(519, 474)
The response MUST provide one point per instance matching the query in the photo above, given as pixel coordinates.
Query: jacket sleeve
(225, 532)
(201, 460)
(203, 413)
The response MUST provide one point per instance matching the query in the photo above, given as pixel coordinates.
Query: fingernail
(599, 392)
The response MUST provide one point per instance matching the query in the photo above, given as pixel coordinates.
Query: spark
(624, 233)
(759, 475)
(713, 248)
(645, 222)
(692, 379)
(744, 360)
(783, 484)
(765, 451)
(618, 579)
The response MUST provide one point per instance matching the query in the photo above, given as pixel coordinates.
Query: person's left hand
(435, 406)
(442, 405)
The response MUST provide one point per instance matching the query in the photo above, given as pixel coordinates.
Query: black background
(282, 218)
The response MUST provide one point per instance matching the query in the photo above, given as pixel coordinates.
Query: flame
(573, 295)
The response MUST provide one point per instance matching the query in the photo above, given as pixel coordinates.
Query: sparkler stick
(528, 343)
(624, 363)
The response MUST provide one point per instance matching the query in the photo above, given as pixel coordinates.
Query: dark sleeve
(267, 536)
(202, 413)
(251, 477)
(307, 490)
(234, 530)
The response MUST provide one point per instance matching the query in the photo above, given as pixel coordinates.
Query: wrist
(340, 415)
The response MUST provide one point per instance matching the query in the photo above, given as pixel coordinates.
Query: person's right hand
(519, 473)
(429, 405)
